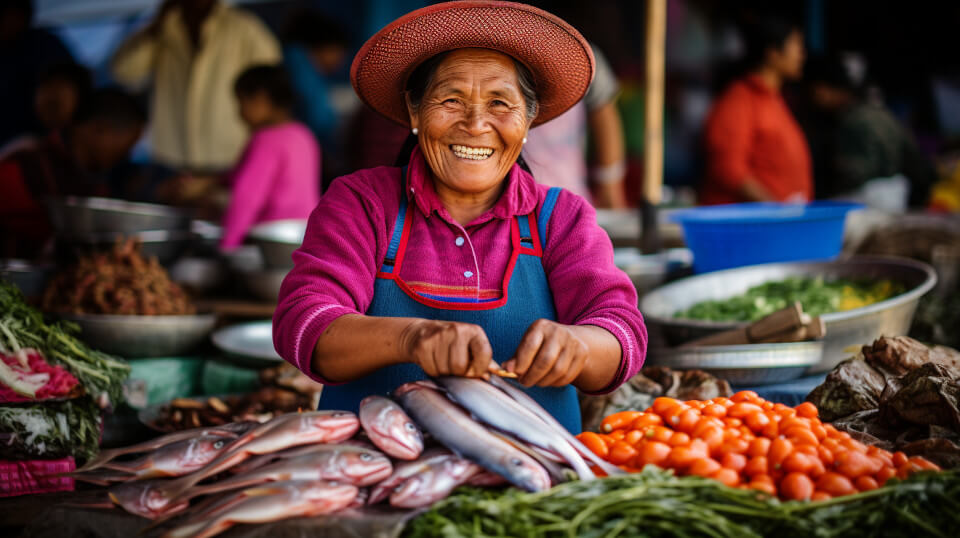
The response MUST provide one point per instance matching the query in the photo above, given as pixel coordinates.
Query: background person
(189, 55)
(755, 149)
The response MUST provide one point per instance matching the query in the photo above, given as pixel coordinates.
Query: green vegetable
(50, 430)
(22, 326)
(656, 503)
(817, 296)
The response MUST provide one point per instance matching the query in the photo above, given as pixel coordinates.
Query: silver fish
(285, 431)
(144, 498)
(525, 400)
(346, 464)
(175, 459)
(390, 428)
(495, 408)
(230, 431)
(450, 425)
(272, 502)
(434, 483)
(407, 469)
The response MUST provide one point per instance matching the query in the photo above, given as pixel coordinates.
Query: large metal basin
(844, 329)
(143, 336)
(78, 216)
(277, 240)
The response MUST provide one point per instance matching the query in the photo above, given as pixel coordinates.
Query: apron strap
(391, 257)
(544, 219)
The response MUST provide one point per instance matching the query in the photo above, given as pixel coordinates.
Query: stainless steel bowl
(753, 364)
(78, 216)
(647, 271)
(143, 336)
(264, 284)
(166, 245)
(844, 329)
(31, 278)
(248, 344)
(277, 240)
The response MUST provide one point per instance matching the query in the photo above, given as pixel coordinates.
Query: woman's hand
(550, 355)
(447, 348)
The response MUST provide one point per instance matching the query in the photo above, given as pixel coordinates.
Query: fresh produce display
(899, 394)
(750, 442)
(119, 282)
(53, 386)
(656, 503)
(653, 381)
(259, 406)
(310, 463)
(817, 295)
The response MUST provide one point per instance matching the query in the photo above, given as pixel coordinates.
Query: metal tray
(143, 336)
(844, 329)
(750, 364)
(75, 215)
(248, 344)
(277, 240)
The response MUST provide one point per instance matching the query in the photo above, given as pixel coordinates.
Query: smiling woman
(459, 263)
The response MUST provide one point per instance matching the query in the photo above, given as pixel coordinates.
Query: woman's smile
(471, 153)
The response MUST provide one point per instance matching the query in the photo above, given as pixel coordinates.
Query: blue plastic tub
(727, 236)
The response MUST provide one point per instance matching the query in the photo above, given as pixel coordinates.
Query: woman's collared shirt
(349, 232)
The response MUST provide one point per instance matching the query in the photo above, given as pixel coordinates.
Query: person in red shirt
(104, 129)
(755, 149)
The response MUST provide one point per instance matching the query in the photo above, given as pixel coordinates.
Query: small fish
(390, 428)
(274, 502)
(344, 464)
(525, 400)
(229, 431)
(175, 459)
(450, 425)
(407, 469)
(435, 483)
(494, 407)
(283, 432)
(144, 498)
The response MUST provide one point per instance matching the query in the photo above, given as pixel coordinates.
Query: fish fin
(262, 491)
(103, 457)
(124, 467)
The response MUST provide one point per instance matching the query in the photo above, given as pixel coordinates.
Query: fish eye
(410, 426)
(516, 461)
(366, 456)
(218, 444)
(338, 414)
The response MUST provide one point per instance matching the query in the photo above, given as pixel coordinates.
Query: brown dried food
(119, 282)
(943, 452)
(263, 404)
(851, 387)
(901, 354)
(928, 395)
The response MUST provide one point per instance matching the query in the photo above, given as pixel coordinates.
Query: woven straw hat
(557, 55)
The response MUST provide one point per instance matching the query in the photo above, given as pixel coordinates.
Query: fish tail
(185, 531)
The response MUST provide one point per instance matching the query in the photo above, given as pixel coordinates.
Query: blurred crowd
(244, 121)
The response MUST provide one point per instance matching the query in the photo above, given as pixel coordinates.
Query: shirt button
(468, 274)
(459, 241)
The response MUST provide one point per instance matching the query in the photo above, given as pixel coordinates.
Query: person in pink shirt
(278, 175)
(459, 262)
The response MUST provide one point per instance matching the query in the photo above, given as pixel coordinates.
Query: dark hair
(421, 77)
(271, 79)
(70, 72)
(830, 69)
(765, 32)
(312, 29)
(111, 106)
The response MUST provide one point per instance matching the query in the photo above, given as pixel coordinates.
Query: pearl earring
(524, 140)
(415, 131)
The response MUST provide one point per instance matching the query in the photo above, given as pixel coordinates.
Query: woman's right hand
(448, 348)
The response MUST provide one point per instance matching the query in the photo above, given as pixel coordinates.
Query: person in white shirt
(189, 55)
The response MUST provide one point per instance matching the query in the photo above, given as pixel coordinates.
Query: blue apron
(526, 298)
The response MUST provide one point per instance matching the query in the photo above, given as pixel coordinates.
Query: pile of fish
(481, 433)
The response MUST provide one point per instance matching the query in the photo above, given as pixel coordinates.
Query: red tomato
(662, 404)
(737, 462)
(634, 436)
(659, 433)
(687, 421)
(618, 421)
(757, 421)
(713, 436)
(735, 446)
(763, 483)
(647, 419)
(654, 453)
(899, 458)
(800, 435)
(853, 464)
(743, 409)
(679, 439)
(756, 466)
(807, 409)
(715, 410)
(682, 457)
(727, 477)
(820, 496)
(865, 483)
(797, 462)
(835, 484)
(886, 474)
(780, 448)
(796, 486)
(594, 443)
(704, 467)
(759, 447)
(622, 452)
(746, 396)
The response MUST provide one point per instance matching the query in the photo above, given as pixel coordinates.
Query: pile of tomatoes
(746, 441)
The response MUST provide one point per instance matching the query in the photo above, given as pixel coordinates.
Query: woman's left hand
(550, 355)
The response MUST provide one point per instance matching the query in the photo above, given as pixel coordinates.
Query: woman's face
(472, 120)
